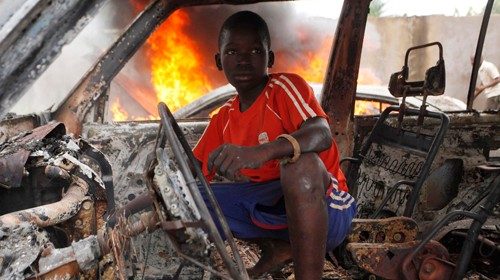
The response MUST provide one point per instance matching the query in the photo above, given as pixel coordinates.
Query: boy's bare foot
(274, 254)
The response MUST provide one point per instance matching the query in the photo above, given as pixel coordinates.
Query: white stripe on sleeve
(296, 91)
(297, 106)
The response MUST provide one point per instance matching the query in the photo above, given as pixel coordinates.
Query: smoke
(292, 36)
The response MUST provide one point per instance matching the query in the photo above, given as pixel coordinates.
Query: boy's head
(244, 50)
(249, 19)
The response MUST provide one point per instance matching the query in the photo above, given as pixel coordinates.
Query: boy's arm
(313, 136)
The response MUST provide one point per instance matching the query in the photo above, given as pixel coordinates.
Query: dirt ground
(250, 254)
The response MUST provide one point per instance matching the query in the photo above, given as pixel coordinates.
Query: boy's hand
(228, 159)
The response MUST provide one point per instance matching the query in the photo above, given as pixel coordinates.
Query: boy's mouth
(242, 77)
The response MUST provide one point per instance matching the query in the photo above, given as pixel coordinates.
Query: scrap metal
(15, 153)
(32, 39)
(50, 214)
(380, 246)
(51, 162)
(389, 230)
(386, 260)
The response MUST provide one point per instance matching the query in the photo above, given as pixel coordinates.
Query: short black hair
(246, 19)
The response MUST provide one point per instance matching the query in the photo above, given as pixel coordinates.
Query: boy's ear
(271, 59)
(218, 62)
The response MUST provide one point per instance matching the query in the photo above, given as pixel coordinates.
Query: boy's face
(244, 57)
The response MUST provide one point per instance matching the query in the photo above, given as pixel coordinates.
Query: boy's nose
(243, 58)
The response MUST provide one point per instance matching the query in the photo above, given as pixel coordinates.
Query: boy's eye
(256, 51)
(230, 52)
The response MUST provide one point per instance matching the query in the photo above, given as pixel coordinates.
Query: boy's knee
(306, 175)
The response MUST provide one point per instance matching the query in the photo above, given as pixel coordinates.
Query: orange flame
(364, 107)
(312, 65)
(177, 75)
(119, 114)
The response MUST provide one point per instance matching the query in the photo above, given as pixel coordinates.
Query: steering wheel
(189, 201)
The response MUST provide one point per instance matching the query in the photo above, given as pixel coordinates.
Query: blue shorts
(257, 210)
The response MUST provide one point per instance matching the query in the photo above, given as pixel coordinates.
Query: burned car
(83, 196)
(370, 100)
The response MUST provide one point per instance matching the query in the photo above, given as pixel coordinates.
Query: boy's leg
(304, 184)
(237, 202)
(341, 210)
(274, 253)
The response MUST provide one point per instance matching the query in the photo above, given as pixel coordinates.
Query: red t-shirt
(284, 104)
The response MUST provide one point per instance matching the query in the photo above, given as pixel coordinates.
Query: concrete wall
(388, 38)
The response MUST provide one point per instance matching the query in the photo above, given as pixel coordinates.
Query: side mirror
(433, 83)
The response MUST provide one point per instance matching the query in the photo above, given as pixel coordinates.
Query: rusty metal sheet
(386, 259)
(339, 90)
(12, 127)
(389, 230)
(435, 268)
(13, 156)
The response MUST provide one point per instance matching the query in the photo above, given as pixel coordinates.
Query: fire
(313, 67)
(177, 74)
(312, 64)
(119, 114)
(364, 107)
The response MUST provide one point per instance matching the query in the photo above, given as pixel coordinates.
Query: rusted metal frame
(472, 234)
(394, 229)
(439, 225)
(431, 154)
(106, 173)
(486, 241)
(96, 82)
(179, 143)
(406, 264)
(54, 213)
(478, 54)
(339, 90)
(389, 194)
(433, 267)
(194, 261)
(28, 56)
(151, 220)
(139, 203)
(19, 21)
(385, 259)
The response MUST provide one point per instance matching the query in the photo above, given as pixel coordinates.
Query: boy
(274, 141)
